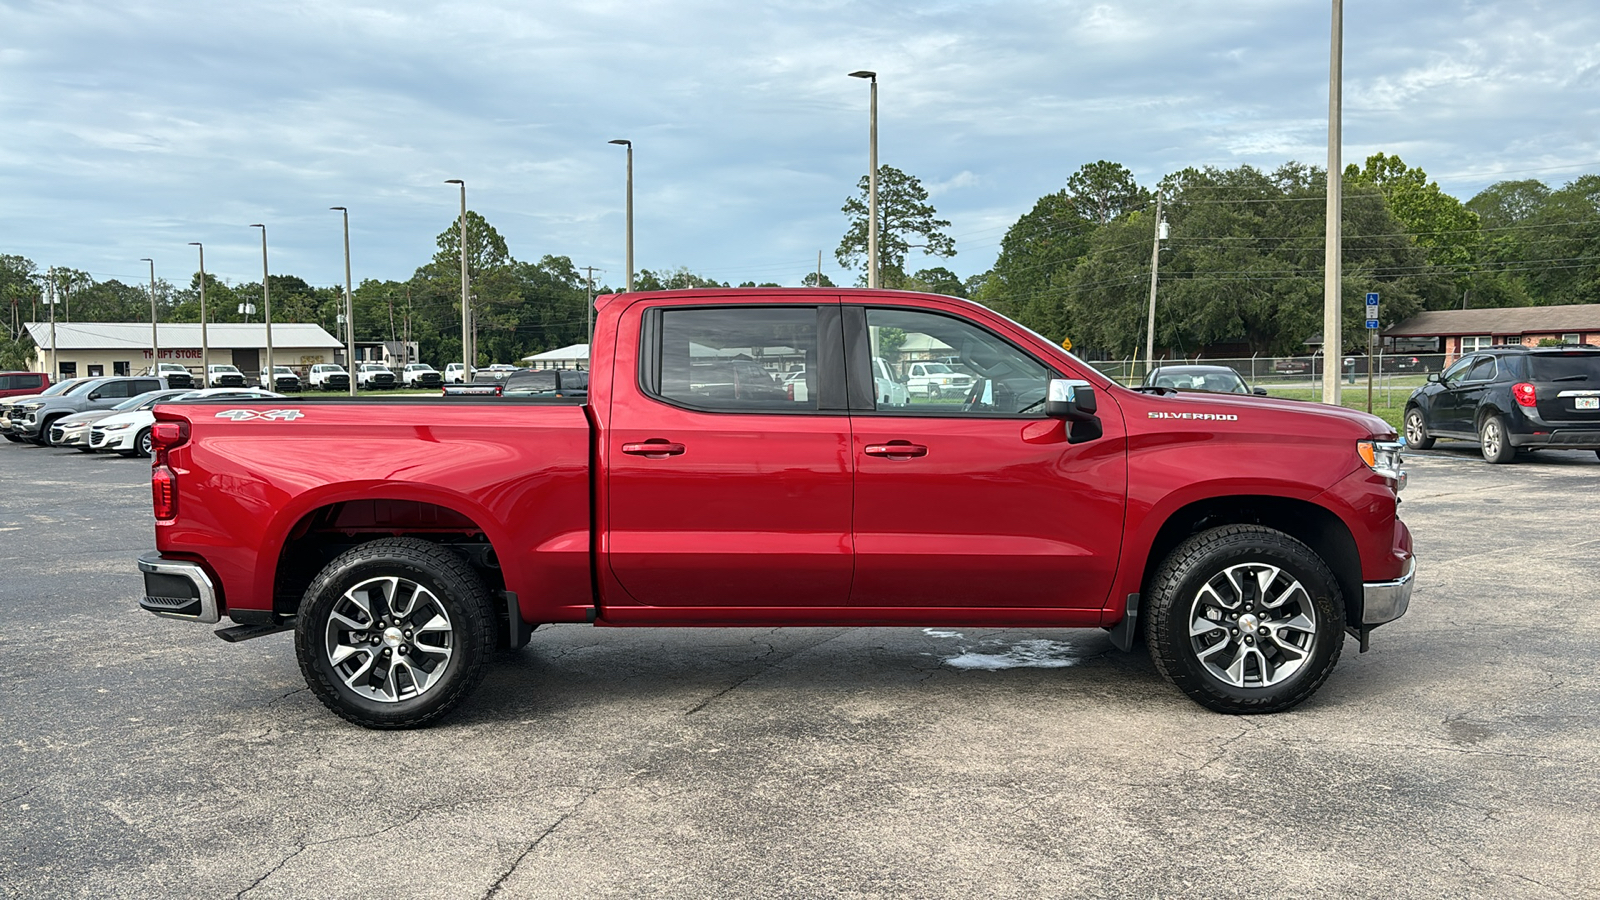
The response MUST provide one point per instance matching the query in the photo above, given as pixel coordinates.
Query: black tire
(1176, 601)
(1494, 441)
(1416, 427)
(141, 444)
(465, 642)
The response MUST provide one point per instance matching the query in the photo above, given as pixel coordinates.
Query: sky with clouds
(128, 129)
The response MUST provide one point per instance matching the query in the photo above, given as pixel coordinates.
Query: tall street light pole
(266, 303)
(349, 305)
(55, 371)
(466, 315)
(872, 181)
(155, 345)
(1333, 264)
(205, 343)
(629, 259)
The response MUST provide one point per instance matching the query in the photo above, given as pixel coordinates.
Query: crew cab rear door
(725, 488)
(976, 500)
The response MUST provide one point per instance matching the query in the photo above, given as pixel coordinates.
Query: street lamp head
(864, 74)
(146, 259)
(339, 208)
(196, 244)
(454, 181)
(258, 225)
(629, 144)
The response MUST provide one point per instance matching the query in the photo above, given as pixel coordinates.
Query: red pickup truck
(403, 541)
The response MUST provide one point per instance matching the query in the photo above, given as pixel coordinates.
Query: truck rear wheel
(395, 633)
(1245, 619)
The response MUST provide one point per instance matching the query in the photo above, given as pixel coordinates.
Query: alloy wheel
(1252, 625)
(389, 639)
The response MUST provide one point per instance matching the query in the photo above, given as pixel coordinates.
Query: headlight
(121, 427)
(1384, 458)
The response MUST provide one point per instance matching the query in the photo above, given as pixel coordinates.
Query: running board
(236, 633)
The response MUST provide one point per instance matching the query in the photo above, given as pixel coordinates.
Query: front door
(727, 488)
(977, 499)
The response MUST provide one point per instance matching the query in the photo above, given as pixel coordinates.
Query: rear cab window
(735, 359)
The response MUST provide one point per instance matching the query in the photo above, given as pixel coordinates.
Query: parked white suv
(935, 379)
(452, 374)
(421, 375)
(328, 377)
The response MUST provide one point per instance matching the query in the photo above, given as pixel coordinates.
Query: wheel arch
(1318, 527)
(337, 523)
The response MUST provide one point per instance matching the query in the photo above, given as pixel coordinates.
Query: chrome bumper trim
(177, 607)
(1385, 601)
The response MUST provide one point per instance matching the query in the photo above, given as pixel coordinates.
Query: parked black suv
(1512, 398)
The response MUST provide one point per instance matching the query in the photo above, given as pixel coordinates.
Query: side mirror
(94, 395)
(1433, 377)
(1260, 392)
(1075, 402)
(1070, 400)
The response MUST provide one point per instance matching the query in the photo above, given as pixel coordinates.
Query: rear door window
(1482, 370)
(1565, 367)
(723, 358)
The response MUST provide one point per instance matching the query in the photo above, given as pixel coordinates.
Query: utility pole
(1155, 263)
(628, 282)
(819, 269)
(872, 180)
(155, 344)
(589, 314)
(205, 343)
(349, 303)
(266, 302)
(55, 370)
(466, 311)
(1333, 264)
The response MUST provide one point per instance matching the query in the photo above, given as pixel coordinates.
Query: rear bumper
(177, 589)
(1558, 438)
(1385, 601)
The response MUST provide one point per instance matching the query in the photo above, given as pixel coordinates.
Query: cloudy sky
(128, 129)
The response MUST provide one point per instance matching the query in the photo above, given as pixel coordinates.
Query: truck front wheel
(394, 633)
(1245, 619)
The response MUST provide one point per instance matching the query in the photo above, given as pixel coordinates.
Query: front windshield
(58, 387)
(224, 369)
(937, 369)
(82, 387)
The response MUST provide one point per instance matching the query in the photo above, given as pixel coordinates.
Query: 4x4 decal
(251, 415)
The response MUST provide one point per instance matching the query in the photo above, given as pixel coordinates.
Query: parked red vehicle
(1242, 537)
(18, 384)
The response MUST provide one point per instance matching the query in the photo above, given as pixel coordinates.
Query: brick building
(1457, 331)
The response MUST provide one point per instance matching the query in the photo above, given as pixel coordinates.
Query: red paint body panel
(519, 472)
(776, 519)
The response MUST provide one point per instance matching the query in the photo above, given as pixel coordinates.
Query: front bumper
(1385, 601)
(176, 589)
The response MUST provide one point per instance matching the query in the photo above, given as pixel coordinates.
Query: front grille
(56, 434)
(97, 436)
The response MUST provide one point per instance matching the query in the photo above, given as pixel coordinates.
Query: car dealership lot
(143, 757)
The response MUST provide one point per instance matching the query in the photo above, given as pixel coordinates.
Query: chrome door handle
(896, 450)
(655, 448)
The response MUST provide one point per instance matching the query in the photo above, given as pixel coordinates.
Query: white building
(573, 357)
(123, 348)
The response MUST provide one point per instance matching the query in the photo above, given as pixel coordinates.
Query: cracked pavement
(141, 757)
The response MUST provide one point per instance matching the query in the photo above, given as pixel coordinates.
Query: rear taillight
(164, 493)
(166, 435)
(1525, 394)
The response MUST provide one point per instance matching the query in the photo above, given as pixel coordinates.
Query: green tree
(937, 280)
(1448, 231)
(1103, 191)
(811, 280)
(904, 215)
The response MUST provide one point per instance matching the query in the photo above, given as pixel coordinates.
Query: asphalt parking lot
(141, 757)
